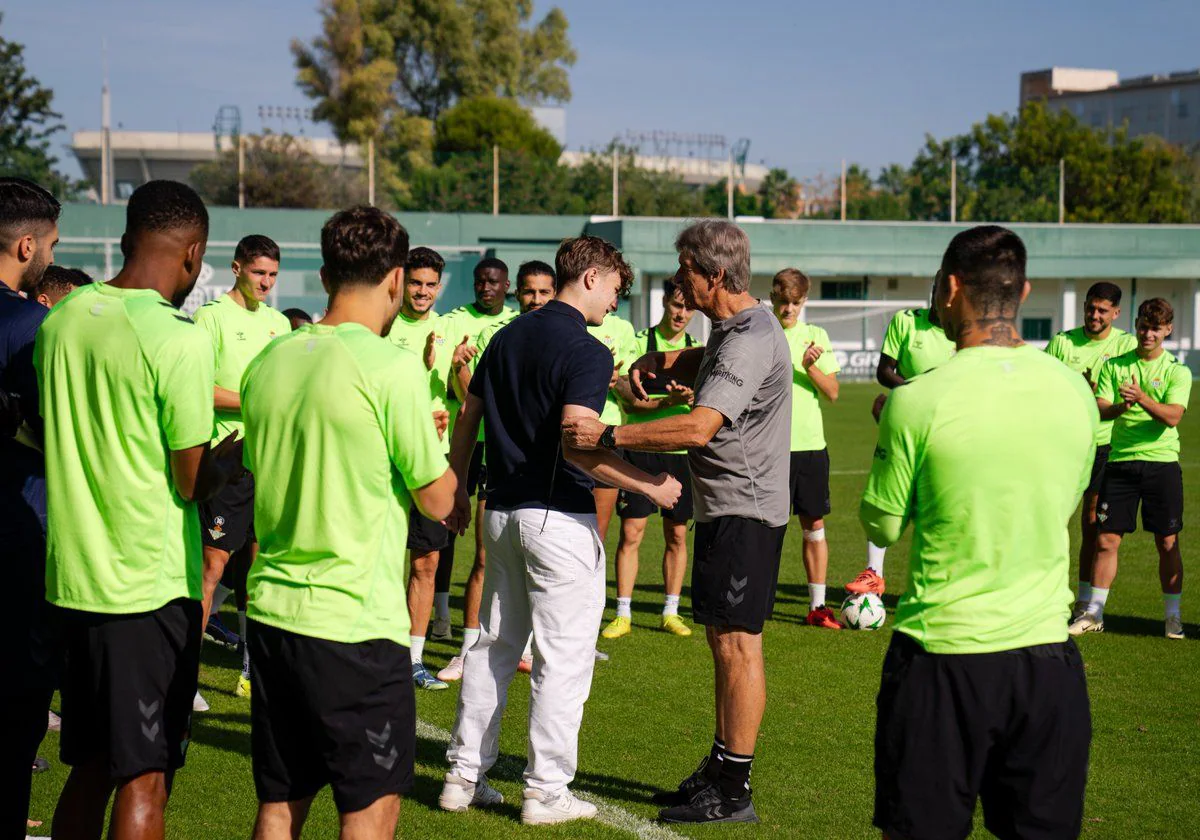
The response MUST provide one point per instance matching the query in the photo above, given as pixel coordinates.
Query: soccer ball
(863, 612)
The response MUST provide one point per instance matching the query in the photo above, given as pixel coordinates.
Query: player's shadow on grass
(432, 753)
(208, 731)
(1136, 625)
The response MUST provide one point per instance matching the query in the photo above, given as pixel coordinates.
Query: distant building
(1165, 104)
(140, 156)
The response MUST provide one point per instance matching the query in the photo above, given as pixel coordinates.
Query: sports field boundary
(614, 816)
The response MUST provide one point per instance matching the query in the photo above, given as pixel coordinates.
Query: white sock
(470, 637)
(1095, 606)
(242, 624)
(219, 595)
(416, 648)
(816, 595)
(1085, 591)
(875, 556)
(1171, 605)
(625, 608)
(441, 604)
(528, 652)
(671, 605)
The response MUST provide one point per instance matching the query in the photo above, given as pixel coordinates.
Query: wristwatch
(608, 438)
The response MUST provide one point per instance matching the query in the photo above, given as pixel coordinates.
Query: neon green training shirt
(412, 335)
(124, 379)
(915, 343)
(338, 433)
(468, 320)
(1136, 436)
(808, 428)
(618, 336)
(1085, 355)
(237, 335)
(987, 455)
(640, 347)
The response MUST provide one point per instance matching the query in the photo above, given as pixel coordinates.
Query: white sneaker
(1078, 610)
(54, 722)
(541, 808)
(439, 628)
(458, 794)
(452, 671)
(1086, 623)
(199, 704)
(1174, 627)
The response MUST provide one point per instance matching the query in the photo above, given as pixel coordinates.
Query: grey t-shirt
(746, 374)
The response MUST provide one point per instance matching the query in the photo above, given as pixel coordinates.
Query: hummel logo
(386, 761)
(734, 601)
(713, 812)
(738, 585)
(151, 732)
(380, 739)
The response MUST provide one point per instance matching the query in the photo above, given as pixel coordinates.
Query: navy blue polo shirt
(19, 322)
(540, 362)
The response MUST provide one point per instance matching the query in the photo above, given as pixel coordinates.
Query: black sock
(712, 769)
(734, 780)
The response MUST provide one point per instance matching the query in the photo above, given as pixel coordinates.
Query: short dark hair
(60, 280)
(532, 268)
(295, 314)
(577, 255)
(792, 281)
(22, 204)
(254, 246)
(486, 263)
(360, 246)
(161, 206)
(1104, 290)
(1156, 312)
(423, 257)
(989, 261)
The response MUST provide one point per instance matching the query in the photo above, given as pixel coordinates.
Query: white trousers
(545, 573)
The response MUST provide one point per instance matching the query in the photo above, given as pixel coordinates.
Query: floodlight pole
(495, 180)
(953, 190)
(616, 180)
(842, 190)
(729, 188)
(371, 171)
(241, 163)
(1062, 191)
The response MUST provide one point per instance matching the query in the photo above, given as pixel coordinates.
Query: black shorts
(734, 572)
(227, 519)
(128, 687)
(1099, 463)
(1009, 728)
(637, 506)
(330, 713)
(808, 483)
(425, 535)
(477, 474)
(1157, 486)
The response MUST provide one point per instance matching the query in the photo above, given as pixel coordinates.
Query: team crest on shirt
(218, 529)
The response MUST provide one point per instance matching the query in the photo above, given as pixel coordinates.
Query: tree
(779, 195)
(417, 57)
(716, 200)
(27, 122)
(478, 123)
(641, 191)
(279, 172)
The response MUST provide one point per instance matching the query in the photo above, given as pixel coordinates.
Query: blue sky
(807, 83)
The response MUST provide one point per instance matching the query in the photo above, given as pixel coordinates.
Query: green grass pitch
(650, 714)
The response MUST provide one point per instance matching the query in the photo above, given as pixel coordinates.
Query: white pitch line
(611, 815)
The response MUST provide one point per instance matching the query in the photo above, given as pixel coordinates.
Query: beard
(33, 272)
(182, 296)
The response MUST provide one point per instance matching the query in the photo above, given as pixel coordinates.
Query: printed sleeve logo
(727, 375)
(880, 453)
